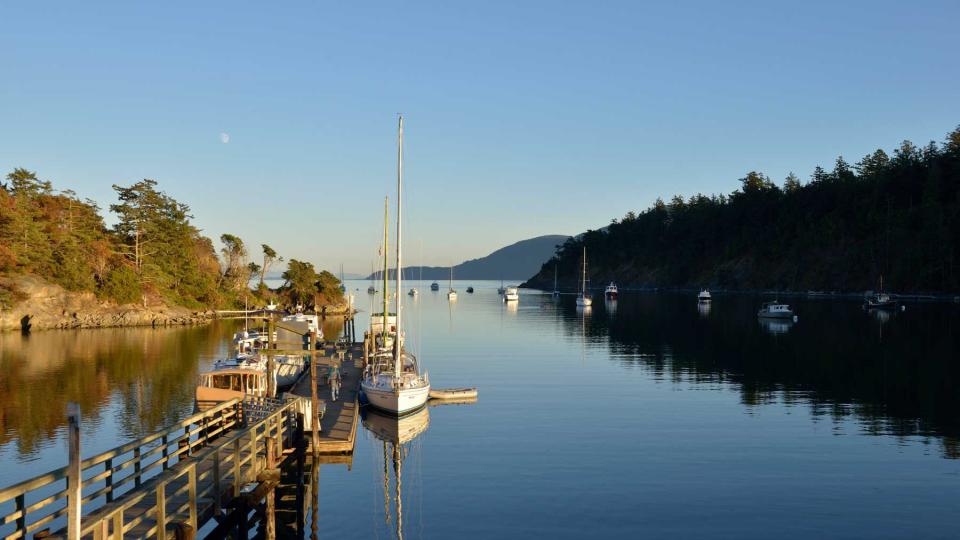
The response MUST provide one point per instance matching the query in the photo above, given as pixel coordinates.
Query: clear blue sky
(523, 118)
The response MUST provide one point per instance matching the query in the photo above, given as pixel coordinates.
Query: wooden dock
(338, 425)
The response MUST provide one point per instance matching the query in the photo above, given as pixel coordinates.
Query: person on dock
(333, 379)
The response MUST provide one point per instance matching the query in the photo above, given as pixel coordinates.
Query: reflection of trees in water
(151, 371)
(835, 359)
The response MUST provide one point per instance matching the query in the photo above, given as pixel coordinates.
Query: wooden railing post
(118, 524)
(166, 452)
(74, 480)
(136, 467)
(192, 494)
(108, 466)
(271, 529)
(237, 482)
(217, 482)
(21, 502)
(161, 510)
(314, 399)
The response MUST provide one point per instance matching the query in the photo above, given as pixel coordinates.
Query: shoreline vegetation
(62, 267)
(892, 217)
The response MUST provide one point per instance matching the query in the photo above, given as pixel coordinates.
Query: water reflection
(149, 373)
(398, 437)
(610, 304)
(703, 308)
(776, 326)
(899, 381)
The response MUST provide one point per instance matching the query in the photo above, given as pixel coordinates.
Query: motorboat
(434, 286)
(469, 290)
(511, 294)
(227, 383)
(704, 296)
(611, 291)
(775, 310)
(413, 292)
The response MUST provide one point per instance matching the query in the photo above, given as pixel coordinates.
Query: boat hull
(396, 402)
(775, 315)
(584, 302)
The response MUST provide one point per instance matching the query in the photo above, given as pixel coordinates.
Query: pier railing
(144, 485)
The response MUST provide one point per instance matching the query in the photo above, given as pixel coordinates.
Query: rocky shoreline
(49, 306)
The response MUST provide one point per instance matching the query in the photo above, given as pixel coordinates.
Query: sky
(276, 122)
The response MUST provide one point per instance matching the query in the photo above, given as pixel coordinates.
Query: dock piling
(74, 481)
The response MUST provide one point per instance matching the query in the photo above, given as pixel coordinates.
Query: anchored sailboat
(584, 299)
(399, 388)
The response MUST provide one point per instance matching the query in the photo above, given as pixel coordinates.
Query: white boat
(298, 325)
(288, 369)
(399, 388)
(511, 294)
(225, 384)
(583, 298)
(501, 289)
(775, 310)
(451, 294)
(413, 292)
(611, 291)
(704, 296)
(556, 291)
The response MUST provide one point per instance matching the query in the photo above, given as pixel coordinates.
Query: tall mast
(386, 289)
(583, 289)
(398, 345)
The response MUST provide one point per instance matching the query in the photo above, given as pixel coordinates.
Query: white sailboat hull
(394, 401)
(584, 302)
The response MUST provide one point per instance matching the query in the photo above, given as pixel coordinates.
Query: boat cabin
(226, 384)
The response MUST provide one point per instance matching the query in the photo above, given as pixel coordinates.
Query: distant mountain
(514, 262)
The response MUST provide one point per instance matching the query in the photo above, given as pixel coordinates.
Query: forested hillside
(153, 255)
(896, 216)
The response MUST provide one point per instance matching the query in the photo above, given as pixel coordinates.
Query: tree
(873, 164)
(952, 143)
(791, 183)
(24, 182)
(269, 256)
(300, 283)
(235, 272)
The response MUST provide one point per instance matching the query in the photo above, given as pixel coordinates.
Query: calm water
(649, 417)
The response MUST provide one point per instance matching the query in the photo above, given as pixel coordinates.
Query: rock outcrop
(50, 306)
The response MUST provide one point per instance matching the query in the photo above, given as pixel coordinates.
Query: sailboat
(399, 388)
(584, 299)
(880, 300)
(372, 289)
(556, 291)
(343, 287)
(452, 294)
(501, 290)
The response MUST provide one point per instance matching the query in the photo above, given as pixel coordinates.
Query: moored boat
(775, 310)
(470, 290)
(511, 294)
(583, 298)
(704, 296)
(392, 382)
(228, 383)
(434, 286)
(611, 291)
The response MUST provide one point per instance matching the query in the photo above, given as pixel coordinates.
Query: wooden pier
(338, 425)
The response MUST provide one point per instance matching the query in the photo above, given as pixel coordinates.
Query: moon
(225, 138)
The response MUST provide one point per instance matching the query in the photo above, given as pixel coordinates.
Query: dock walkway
(338, 426)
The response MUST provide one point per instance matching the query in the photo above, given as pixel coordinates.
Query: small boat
(775, 310)
(511, 294)
(343, 287)
(451, 294)
(583, 298)
(704, 296)
(371, 290)
(434, 286)
(611, 291)
(501, 289)
(880, 300)
(453, 393)
(413, 292)
(556, 291)
(470, 290)
(225, 384)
